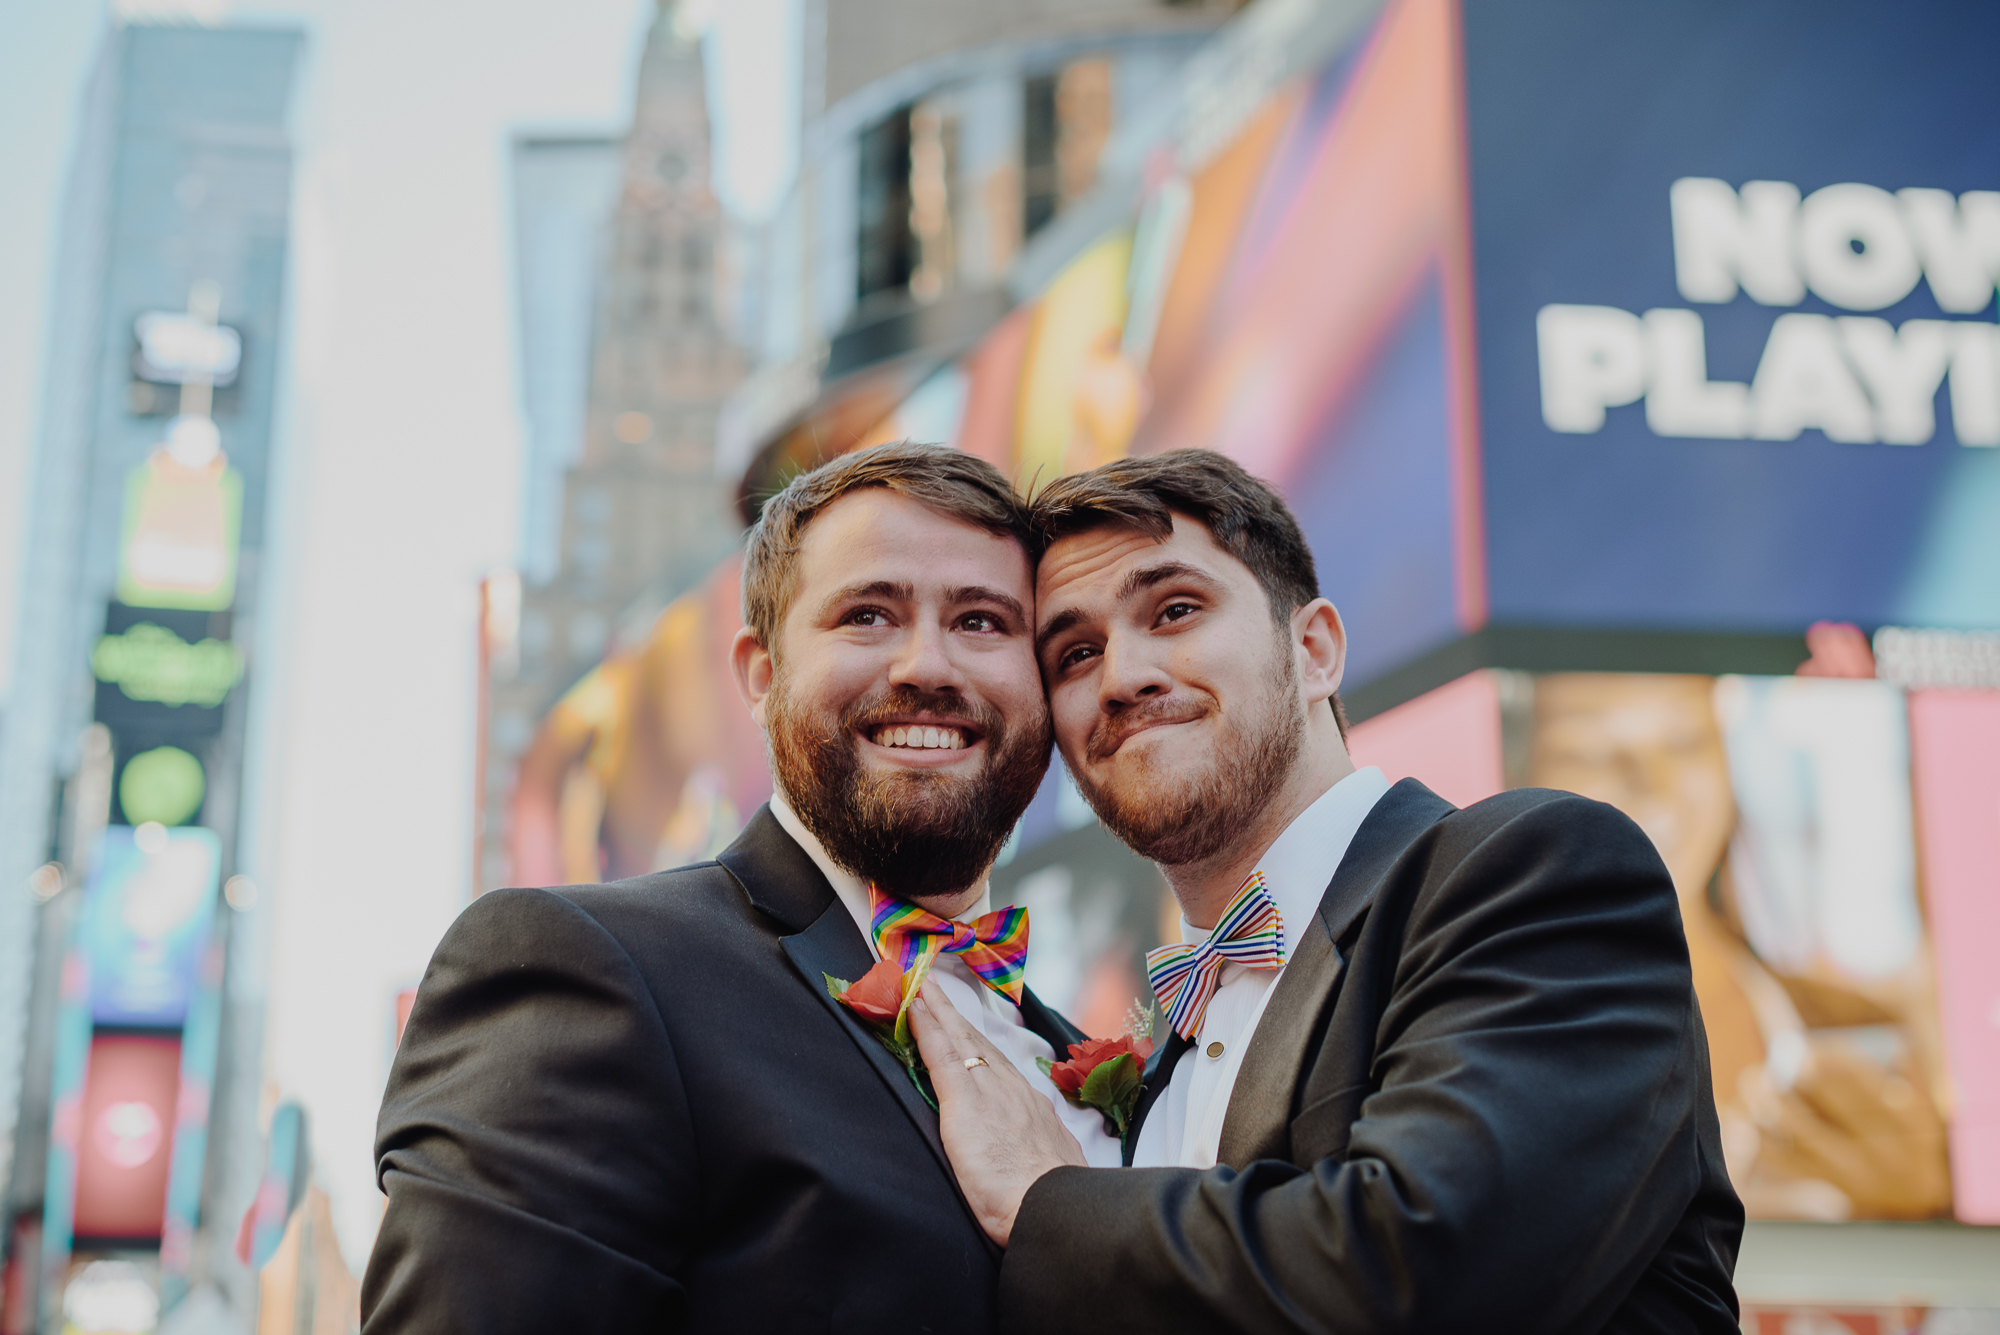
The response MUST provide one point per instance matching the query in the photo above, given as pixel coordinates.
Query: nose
(1134, 670)
(924, 661)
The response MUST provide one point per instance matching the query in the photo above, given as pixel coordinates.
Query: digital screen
(1831, 842)
(150, 902)
(1735, 266)
(125, 1137)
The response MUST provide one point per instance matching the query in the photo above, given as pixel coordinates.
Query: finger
(967, 1038)
(953, 1041)
(961, 1030)
(944, 1042)
(934, 1041)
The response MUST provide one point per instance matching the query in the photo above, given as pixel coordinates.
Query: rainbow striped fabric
(1185, 977)
(994, 945)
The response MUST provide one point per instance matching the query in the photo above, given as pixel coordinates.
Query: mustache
(1111, 730)
(904, 700)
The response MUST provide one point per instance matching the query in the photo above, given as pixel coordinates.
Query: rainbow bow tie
(1185, 977)
(993, 945)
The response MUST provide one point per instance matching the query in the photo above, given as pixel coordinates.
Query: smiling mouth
(1105, 746)
(920, 737)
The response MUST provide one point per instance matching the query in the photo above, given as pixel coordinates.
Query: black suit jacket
(634, 1107)
(1477, 1101)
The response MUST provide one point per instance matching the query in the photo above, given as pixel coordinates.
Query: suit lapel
(783, 882)
(832, 945)
(1048, 1024)
(1258, 1122)
(1259, 1116)
(1158, 1071)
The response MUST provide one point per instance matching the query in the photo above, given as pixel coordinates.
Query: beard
(918, 834)
(1191, 814)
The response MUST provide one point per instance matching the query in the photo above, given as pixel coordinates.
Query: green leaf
(895, 1037)
(1113, 1087)
(917, 1078)
(1046, 1065)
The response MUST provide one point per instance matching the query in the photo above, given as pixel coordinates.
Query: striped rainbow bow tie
(993, 945)
(1185, 977)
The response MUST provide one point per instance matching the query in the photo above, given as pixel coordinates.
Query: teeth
(949, 739)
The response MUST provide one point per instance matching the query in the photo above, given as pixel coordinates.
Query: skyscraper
(642, 514)
(120, 773)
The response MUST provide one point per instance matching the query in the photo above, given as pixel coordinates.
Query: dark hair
(947, 480)
(1246, 517)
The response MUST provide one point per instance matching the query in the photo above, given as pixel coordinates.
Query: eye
(1074, 655)
(981, 622)
(1177, 611)
(866, 616)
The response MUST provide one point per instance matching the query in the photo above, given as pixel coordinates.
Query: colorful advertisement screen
(1832, 844)
(146, 923)
(1735, 267)
(181, 530)
(125, 1142)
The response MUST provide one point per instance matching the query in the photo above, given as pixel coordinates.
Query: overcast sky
(399, 440)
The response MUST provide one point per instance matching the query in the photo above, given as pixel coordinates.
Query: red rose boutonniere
(881, 999)
(1106, 1074)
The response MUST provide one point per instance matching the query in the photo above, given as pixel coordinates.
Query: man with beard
(638, 1106)
(1423, 1069)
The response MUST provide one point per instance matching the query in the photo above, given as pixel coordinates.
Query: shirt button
(1215, 1048)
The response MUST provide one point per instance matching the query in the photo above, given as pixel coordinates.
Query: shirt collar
(1301, 862)
(852, 893)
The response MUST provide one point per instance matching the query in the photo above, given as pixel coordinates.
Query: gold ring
(971, 1062)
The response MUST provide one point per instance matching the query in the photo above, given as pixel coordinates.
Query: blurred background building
(639, 513)
(1636, 378)
(131, 1021)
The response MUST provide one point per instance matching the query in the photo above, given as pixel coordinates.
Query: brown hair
(1246, 517)
(947, 480)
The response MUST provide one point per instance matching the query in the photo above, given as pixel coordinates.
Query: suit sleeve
(534, 1141)
(1527, 1148)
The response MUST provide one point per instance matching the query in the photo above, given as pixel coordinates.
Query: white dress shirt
(1184, 1127)
(992, 1014)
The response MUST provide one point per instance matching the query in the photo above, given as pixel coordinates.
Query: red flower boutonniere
(881, 999)
(1106, 1074)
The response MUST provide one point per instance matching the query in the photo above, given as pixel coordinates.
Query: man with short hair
(1422, 1068)
(637, 1106)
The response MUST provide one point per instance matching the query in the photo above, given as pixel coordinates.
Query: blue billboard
(1735, 268)
(147, 914)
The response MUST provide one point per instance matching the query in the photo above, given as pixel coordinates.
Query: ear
(1320, 641)
(750, 664)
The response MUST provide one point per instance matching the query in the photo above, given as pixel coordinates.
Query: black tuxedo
(634, 1107)
(1477, 1101)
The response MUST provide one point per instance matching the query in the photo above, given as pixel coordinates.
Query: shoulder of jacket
(1539, 807)
(692, 891)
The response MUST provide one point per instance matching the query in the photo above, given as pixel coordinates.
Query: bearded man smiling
(637, 1106)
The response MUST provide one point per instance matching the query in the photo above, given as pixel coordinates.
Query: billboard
(1738, 359)
(146, 920)
(1831, 841)
(179, 348)
(650, 760)
(125, 1136)
(182, 524)
(164, 671)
